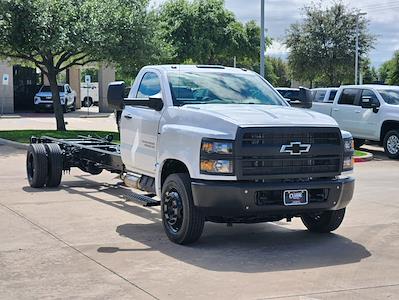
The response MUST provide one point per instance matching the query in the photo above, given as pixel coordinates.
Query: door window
(332, 96)
(348, 97)
(150, 85)
(319, 96)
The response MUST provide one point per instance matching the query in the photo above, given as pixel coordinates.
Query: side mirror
(305, 98)
(369, 102)
(154, 102)
(115, 95)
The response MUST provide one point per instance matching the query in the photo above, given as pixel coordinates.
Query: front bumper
(240, 199)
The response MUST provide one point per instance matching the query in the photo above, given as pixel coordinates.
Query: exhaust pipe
(131, 180)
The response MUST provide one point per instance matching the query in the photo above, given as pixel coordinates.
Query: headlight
(216, 157)
(36, 100)
(349, 150)
(217, 147)
(62, 100)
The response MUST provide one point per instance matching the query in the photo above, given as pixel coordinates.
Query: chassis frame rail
(88, 153)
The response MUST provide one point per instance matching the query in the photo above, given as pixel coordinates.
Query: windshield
(390, 96)
(220, 88)
(46, 88)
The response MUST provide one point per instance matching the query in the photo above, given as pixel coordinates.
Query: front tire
(326, 222)
(183, 222)
(391, 144)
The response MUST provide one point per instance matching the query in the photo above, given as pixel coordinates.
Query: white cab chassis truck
(213, 144)
(368, 112)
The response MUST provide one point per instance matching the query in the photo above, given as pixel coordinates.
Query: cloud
(279, 14)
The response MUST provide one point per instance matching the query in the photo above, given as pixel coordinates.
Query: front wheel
(182, 221)
(325, 222)
(391, 144)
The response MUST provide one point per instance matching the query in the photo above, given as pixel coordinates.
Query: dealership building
(19, 84)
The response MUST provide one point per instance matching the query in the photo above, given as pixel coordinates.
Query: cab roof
(198, 68)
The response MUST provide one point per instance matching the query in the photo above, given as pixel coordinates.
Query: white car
(43, 99)
(368, 112)
(89, 94)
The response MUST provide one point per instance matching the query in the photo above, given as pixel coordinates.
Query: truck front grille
(259, 156)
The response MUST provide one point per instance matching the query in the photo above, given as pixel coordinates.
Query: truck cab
(368, 112)
(221, 144)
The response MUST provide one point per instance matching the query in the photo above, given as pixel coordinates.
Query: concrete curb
(95, 116)
(367, 157)
(14, 144)
(10, 117)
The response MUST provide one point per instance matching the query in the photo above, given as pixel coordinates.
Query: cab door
(139, 128)
(367, 118)
(345, 110)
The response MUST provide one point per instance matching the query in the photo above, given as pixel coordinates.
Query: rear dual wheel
(44, 165)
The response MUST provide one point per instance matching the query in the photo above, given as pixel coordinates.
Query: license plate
(48, 105)
(295, 197)
(48, 98)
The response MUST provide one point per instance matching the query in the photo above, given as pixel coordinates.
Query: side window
(150, 85)
(331, 96)
(319, 96)
(369, 94)
(348, 97)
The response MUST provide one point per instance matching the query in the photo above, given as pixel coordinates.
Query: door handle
(335, 109)
(357, 111)
(128, 116)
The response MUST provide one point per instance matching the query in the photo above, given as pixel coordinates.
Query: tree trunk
(58, 108)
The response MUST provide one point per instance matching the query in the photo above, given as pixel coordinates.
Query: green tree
(394, 71)
(281, 71)
(57, 34)
(369, 73)
(205, 32)
(322, 46)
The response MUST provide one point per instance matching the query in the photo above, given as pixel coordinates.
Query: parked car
(43, 99)
(214, 144)
(369, 112)
(324, 95)
(89, 94)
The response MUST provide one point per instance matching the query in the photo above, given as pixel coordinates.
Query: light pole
(357, 46)
(262, 38)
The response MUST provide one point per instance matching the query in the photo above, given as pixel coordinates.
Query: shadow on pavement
(249, 248)
(82, 112)
(264, 247)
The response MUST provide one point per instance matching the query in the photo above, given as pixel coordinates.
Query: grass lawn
(359, 153)
(23, 136)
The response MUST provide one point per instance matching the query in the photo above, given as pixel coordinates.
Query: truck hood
(264, 115)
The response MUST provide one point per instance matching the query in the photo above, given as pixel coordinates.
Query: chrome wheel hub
(393, 144)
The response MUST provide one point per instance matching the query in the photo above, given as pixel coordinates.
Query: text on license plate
(295, 197)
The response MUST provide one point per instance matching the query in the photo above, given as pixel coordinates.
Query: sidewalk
(78, 120)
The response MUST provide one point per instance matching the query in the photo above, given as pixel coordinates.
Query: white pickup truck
(214, 144)
(368, 112)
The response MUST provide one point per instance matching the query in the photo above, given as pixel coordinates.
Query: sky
(279, 14)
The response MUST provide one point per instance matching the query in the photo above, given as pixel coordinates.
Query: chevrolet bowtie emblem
(295, 148)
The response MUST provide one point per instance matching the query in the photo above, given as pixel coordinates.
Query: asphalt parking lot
(88, 239)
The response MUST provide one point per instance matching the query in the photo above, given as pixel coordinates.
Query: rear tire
(55, 165)
(182, 221)
(326, 222)
(358, 143)
(391, 144)
(36, 165)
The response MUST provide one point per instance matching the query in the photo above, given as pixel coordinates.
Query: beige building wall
(74, 82)
(6, 91)
(106, 74)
